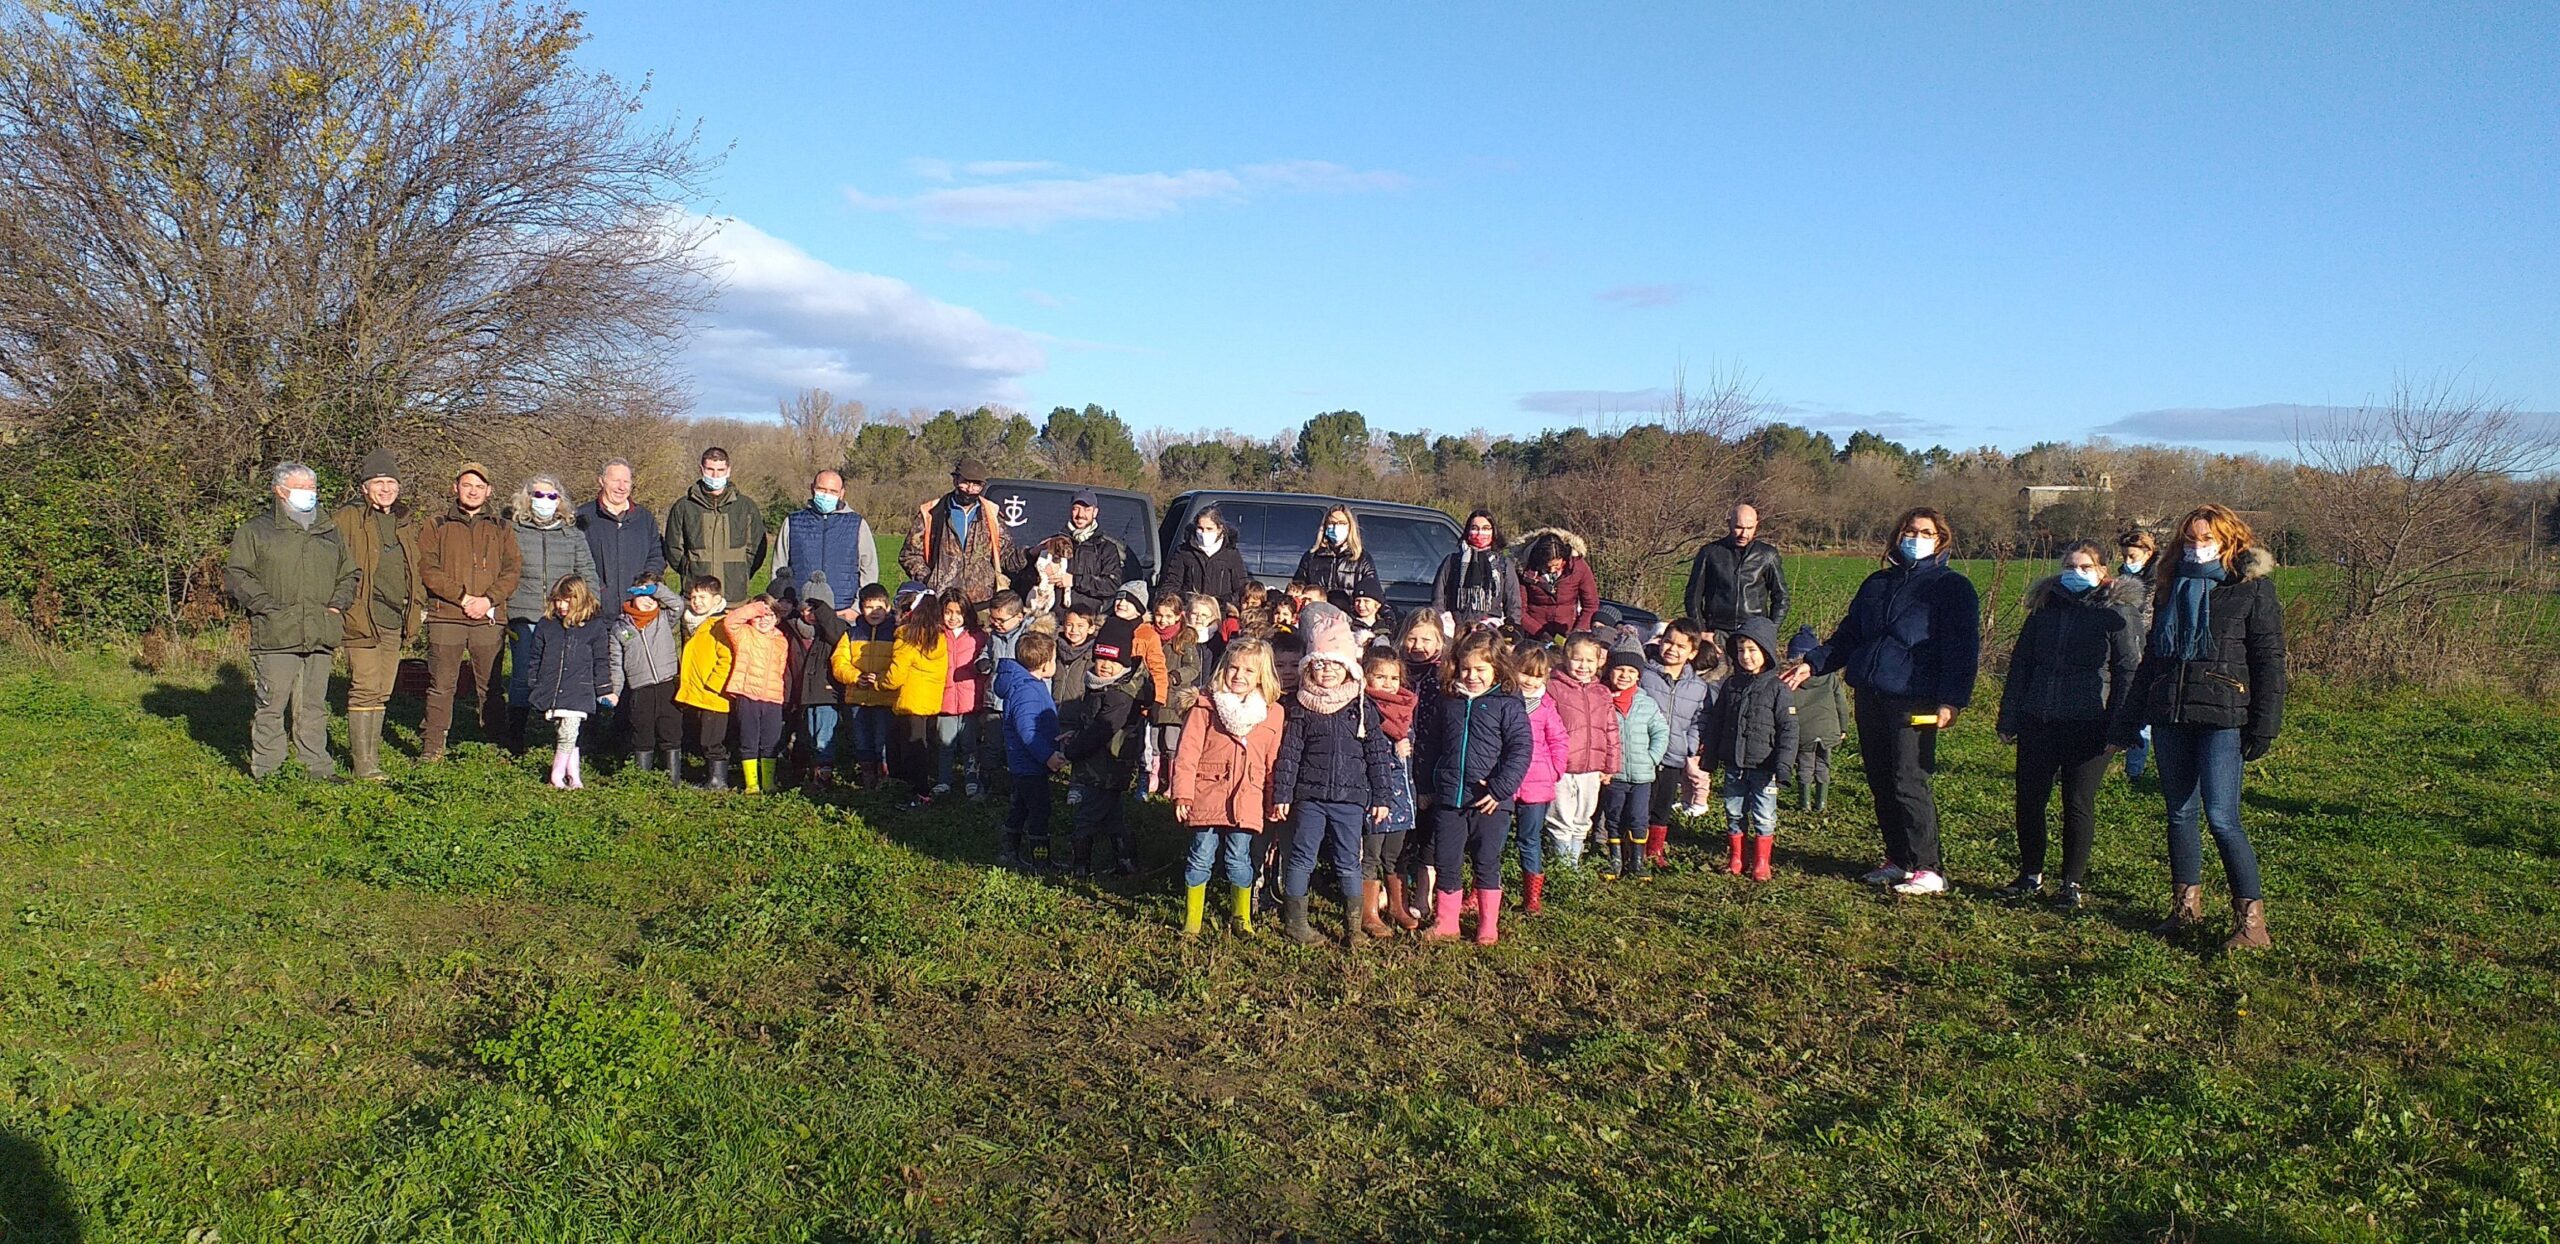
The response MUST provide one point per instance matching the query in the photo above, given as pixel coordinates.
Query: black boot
(719, 779)
(1293, 916)
(640, 761)
(1822, 795)
(673, 762)
(514, 741)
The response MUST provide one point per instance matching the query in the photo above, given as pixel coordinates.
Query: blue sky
(2006, 225)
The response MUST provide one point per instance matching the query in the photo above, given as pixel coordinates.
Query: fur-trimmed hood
(2256, 562)
(1573, 544)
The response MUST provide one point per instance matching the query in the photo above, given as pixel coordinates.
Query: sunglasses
(546, 496)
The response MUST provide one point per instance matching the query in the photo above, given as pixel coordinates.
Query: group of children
(1287, 735)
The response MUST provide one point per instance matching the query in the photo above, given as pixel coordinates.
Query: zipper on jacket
(1466, 732)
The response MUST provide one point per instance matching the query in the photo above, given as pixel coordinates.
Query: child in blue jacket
(1030, 748)
(1472, 750)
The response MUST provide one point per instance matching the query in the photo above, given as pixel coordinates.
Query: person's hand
(1947, 715)
(1279, 812)
(1182, 809)
(2117, 749)
(335, 609)
(1607, 778)
(1793, 679)
(1404, 749)
(1378, 816)
(1484, 805)
(1057, 763)
(605, 700)
(2251, 749)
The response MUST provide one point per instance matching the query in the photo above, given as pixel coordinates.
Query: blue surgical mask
(302, 499)
(545, 507)
(825, 502)
(2078, 580)
(1336, 532)
(1916, 548)
(720, 484)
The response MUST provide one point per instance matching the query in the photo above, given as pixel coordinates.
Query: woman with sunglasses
(547, 534)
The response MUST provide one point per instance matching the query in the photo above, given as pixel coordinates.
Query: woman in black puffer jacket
(2074, 660)
(2211, 686)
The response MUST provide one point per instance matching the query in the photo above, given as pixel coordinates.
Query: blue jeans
(1751, 801)
(2135, 755)
(2200, 773)
(1316, 827)
(520, 662)
(870, 733)
(822, 720)
(1530, 828)
(957, 736)
(1207, 844)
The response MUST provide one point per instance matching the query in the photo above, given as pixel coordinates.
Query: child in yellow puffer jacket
(860, 650)
(919, 664)
(702, 676)
(759, 687)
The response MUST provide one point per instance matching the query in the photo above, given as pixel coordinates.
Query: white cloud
(1006, 197)
(1643, 296)
(787, 320)
(1590, 402)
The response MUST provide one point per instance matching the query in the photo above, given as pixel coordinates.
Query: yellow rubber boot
(1193, 899)
(1241, 910)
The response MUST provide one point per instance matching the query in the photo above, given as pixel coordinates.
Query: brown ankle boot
(1369, 921)
(2186, 911)
(2248, 925)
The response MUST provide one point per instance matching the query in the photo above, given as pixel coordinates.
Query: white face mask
(716, 483)
(2209, 551)
(545, 507)
(302, 499)
(1209, 540)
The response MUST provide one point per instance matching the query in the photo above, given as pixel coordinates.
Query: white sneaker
(1922, 882)
(940, 789)
(973, 790)
(1693, 809)
(1887, 875)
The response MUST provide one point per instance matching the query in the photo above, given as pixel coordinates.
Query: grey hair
(523, 503)
(611, 463)
(285, 471)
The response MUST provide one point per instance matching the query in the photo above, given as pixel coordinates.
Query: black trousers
(1900, 759)
(710, 734)
(2075, 753)
(650, 714)
(911, 747)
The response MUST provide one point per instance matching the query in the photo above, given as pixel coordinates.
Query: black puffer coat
(1334, 571)
(572, 665)
(2074, 661)
(1337, 757)
(1466, 749)
(2241, 685)
(1752, 723)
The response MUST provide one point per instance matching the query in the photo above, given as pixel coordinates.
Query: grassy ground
(463, 1006)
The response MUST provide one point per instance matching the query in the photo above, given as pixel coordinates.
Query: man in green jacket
(295, 578)
(382, 535)
(712, 530)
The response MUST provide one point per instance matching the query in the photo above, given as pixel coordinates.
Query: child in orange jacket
(759, 687)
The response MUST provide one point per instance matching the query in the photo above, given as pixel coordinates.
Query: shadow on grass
(216, 716)
(35, 1205)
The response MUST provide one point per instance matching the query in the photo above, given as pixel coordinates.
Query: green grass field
(464, 1006)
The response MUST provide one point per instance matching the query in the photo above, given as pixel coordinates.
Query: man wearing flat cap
(390, 603)
(468, 564)
(955, 543)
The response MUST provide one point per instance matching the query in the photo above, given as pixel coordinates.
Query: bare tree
(238, 230)
(2413, 496)
(1666, 484)
(821, 429)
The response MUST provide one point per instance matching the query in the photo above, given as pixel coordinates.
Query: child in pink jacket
(956, 730)
(1589, 712)
(1531, 663)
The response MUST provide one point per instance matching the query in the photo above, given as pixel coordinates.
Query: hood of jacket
(1763, 632)
(1573, 544)
(1012, 680)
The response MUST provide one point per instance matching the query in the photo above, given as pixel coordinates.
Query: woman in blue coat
(1909, 649)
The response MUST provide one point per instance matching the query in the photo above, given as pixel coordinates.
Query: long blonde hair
(1253, 656)
(583, 605)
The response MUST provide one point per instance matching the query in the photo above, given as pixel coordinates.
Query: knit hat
(1803, 644)
(1135, 591)
(472, 468)
(1327, 632)
(1117, 641)
(1627, 655)
(377, 465)
(1607, 617)
(817, 588)
(907, 594)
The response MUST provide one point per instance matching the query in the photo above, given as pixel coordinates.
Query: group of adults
(2181, 653)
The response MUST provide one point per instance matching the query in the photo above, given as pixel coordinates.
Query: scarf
(1327, 700)
(639, 616)
(1476, 591)
(2184, 629)
(1626, 699)
(1534, 697)
(1166, 633)
(1239, 714)
(693, 621)
(1395, 713)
